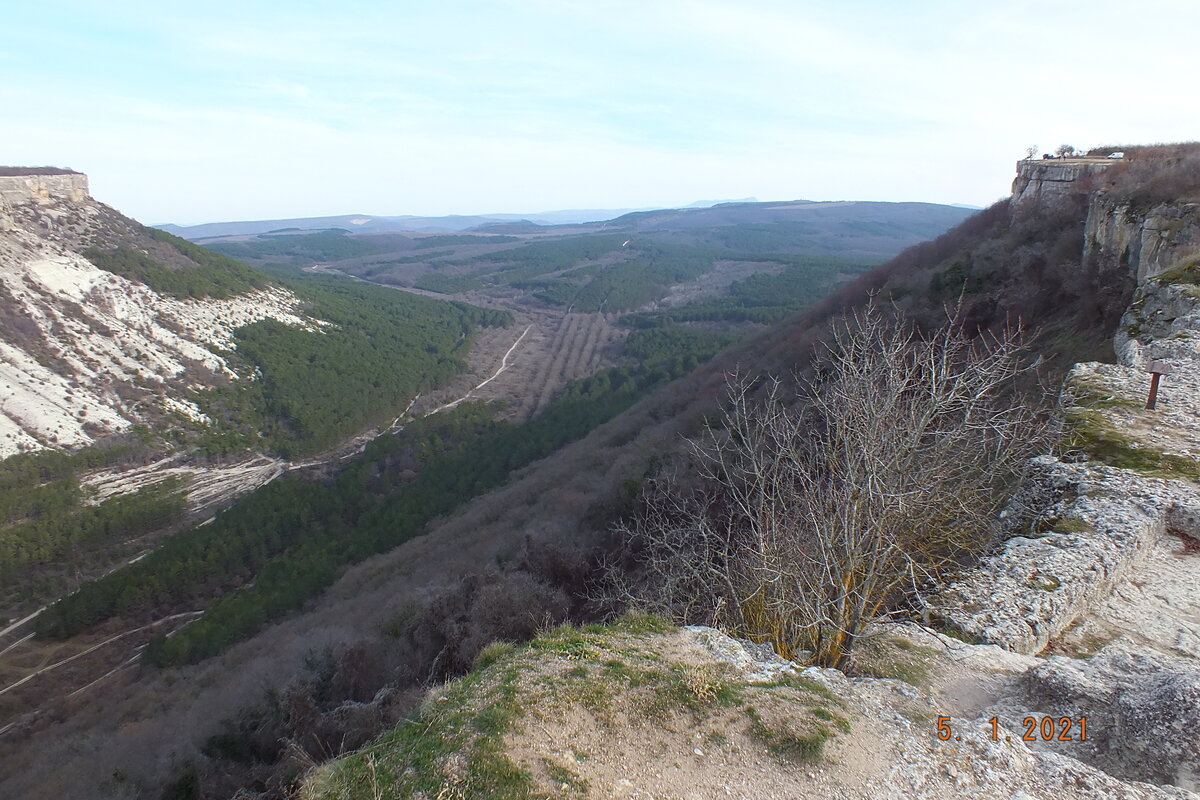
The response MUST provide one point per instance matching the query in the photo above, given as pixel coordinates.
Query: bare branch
(815, 514)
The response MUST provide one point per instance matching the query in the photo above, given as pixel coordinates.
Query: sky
(213, 111)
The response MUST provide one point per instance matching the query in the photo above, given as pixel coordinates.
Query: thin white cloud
(221, 110)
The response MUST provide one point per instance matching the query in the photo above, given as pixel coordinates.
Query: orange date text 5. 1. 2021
(1047, 729)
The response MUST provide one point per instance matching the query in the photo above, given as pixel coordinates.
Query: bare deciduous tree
(811, 516)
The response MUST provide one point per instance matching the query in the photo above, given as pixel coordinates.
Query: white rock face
(754, 663)
(81, 349)
(44, 189)
(1042, 582)
(1162, 323)
(1045, 180)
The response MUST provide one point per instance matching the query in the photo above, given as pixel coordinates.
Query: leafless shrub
(807, 520)
(1153, 174)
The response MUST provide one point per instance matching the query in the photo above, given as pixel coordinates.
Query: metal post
(1154, 376)
(1156, 369)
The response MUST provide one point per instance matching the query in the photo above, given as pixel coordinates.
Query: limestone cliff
(1043, 181)
(1149, 241)
(1099, 569)
(43, 188)
(85, 353)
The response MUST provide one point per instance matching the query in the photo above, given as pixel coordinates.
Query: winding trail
(503, 366)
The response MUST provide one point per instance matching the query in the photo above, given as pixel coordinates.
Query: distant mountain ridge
(929, 219)
(368, 223)
(848, 228)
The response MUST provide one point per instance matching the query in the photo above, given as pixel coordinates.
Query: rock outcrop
(43, 188)
(1079, 529)
(84, 353)
(1143, 708)
(1092, 529)
(1102, 561)
(1046, 180)
(1150, 242)
(588, 714)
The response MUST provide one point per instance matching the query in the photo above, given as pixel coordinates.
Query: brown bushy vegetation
(1011, 266)
(819, 512)
(20, 171)
(1152, 174)
(347, 695)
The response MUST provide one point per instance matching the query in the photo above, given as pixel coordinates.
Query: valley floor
(521, 366)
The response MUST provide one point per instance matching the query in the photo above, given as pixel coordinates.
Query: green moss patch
(792, 740)
(1090, 432)
(1185, 274)
(1063, 525)
(1044, 583)
(452, 748)
(1091, 393)
(893, 658)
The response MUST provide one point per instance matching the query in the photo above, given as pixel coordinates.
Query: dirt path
(93, 648)
(503, 366)
(21, 622)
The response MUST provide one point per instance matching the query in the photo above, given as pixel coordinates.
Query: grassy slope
(621, 677)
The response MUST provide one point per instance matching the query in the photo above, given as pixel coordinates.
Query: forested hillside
(48, 529)
(375, 350)
(209, 274)
(287, 541)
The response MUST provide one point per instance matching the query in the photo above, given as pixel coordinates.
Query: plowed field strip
(596, 325)
(554, 378)
(607, 334)
(543, 371)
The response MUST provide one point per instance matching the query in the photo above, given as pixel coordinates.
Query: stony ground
(692, 714)
(1102, 575)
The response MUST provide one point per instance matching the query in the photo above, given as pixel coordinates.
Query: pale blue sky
(204, 111)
